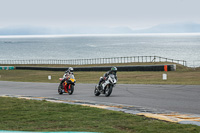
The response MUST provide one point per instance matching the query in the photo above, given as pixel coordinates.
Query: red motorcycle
(68, 85)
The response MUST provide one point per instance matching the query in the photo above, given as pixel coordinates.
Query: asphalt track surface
(178, 98)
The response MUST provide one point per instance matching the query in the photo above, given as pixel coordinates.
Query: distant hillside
(172, 28)
(162, 28)
(72, 30)
(26, 30)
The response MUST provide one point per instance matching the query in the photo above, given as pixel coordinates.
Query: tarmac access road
(177, 98)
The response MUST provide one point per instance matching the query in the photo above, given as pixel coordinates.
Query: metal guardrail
(129, 59)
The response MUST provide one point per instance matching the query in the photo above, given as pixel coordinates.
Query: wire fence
(129, 59)
(196, 63)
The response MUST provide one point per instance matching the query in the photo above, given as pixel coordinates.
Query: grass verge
(31, 115)
(173, 77)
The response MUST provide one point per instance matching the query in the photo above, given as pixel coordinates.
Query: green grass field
(32, 115)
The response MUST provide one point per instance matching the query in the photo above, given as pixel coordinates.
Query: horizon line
(77, 35)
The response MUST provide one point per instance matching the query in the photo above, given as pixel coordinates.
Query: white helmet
(70, 69)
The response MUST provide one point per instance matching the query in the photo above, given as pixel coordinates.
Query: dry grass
(183, 75)
(189, 78)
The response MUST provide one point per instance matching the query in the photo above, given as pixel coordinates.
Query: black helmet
(114, 69)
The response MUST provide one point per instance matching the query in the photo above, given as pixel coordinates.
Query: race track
(178, 98)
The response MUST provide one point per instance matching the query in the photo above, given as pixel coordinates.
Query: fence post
(141, 58)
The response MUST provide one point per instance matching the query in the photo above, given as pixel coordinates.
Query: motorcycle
(68, 85)
(106, 87)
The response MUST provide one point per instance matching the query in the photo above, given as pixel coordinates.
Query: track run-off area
(175, 103)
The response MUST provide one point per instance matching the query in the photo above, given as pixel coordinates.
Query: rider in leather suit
(105, 76)
(66, 74)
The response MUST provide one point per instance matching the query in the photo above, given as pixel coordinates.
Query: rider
(105, 76)
(66, 74)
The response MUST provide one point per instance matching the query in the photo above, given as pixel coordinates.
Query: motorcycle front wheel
(71, 90)
(108, 90)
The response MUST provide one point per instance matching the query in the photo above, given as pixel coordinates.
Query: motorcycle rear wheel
(60, 90)
(96, 91)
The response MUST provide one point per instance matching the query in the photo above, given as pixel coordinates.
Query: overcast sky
(110, 13)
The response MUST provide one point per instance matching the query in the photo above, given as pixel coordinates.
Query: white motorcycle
(106, 87)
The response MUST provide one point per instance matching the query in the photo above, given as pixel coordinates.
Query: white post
(49, 77)
(164, 76)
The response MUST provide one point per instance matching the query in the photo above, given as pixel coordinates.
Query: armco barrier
(106, 68)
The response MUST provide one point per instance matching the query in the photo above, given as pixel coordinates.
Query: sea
(64, 47)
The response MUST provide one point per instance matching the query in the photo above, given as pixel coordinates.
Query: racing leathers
(105, 76)
(65, 77)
